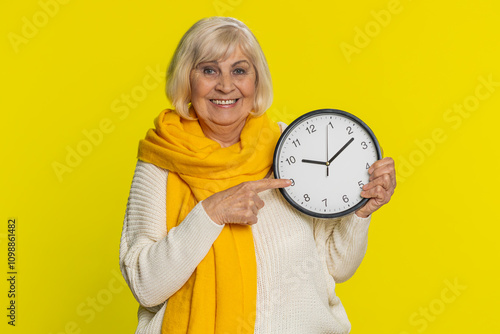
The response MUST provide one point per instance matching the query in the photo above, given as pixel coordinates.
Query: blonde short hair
(215, 38)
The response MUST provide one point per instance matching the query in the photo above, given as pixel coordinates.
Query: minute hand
(314, 162)
(340, 151)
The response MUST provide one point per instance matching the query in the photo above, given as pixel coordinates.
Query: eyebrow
(241, 61)
(233, 65)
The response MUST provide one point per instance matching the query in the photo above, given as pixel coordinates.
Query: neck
(225, 135)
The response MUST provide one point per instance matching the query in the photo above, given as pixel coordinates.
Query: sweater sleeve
(343, 243)
(154, 263)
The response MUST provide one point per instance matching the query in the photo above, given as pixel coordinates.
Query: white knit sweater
(299, 258)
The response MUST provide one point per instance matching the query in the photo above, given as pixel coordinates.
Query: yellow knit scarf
(220, 296)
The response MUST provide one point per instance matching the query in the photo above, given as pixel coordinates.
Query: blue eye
(239, 71)
(208, 70)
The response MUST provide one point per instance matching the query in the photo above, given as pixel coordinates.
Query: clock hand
(314, 162)
(327, 165)
(340, 151)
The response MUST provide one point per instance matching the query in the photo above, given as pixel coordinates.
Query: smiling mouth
(224, 102)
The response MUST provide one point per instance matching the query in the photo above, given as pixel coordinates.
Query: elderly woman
(208, 243)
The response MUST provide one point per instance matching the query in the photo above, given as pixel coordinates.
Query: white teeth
(224, 101)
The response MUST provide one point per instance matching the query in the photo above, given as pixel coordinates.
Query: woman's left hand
(380, 188)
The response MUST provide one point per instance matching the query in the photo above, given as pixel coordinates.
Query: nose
(225, 83)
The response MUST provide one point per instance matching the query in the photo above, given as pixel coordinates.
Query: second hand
(327, 164)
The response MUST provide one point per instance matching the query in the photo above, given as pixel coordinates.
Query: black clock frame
(290, 128)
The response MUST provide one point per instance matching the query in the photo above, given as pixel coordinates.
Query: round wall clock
(326, 153)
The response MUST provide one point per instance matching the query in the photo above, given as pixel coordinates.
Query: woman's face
(223, 91)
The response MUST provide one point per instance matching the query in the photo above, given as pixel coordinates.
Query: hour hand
(324, 163)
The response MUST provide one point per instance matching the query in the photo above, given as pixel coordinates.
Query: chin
(228, 122)
(229, 117)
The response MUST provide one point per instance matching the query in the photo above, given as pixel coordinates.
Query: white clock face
(326, 153)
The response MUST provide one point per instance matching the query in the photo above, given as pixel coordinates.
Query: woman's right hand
(240, 204)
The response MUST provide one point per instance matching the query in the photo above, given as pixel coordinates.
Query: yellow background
(70, 69)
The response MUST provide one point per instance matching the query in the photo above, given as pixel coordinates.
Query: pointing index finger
(265, 184)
